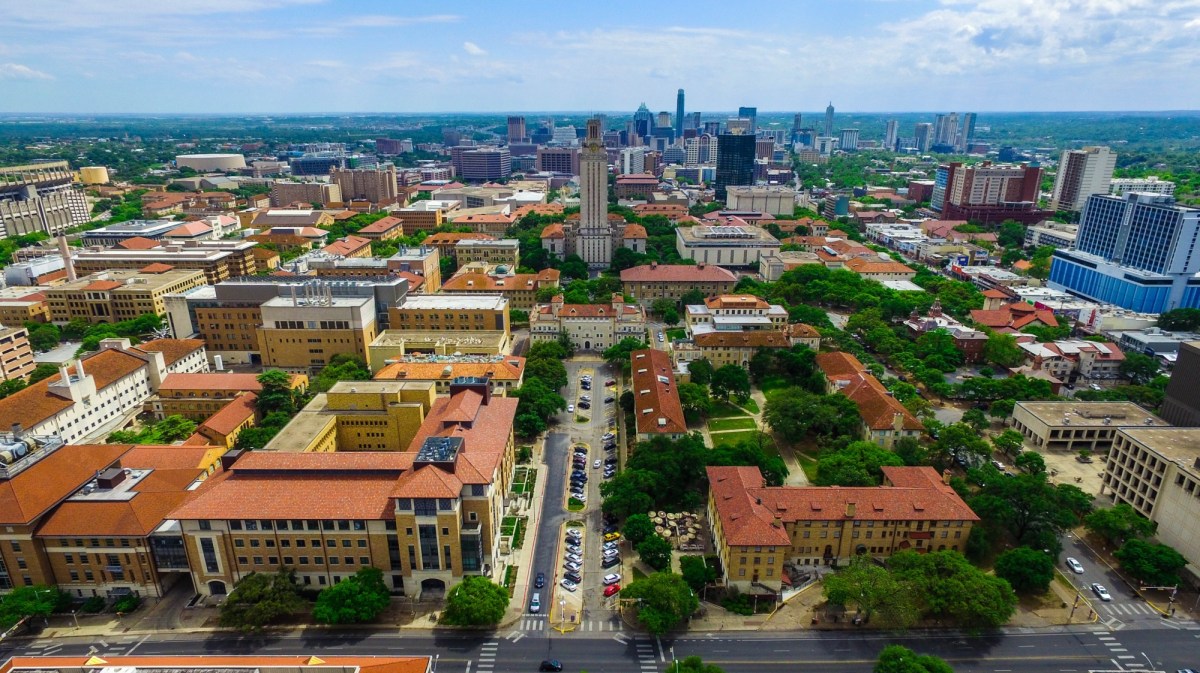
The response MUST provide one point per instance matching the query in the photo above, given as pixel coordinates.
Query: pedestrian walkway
(647, 662)
(1117, 609)
(487, 656)
(531, 623)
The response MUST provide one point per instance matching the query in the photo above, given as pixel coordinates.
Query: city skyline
(310, 56)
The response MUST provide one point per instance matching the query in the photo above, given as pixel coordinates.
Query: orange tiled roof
(511, 368)
(742, 301)
(677, 273)
(347, 245)
(1014, 316)
(382, 225)
(173, 469)
(452, 238)
(656, 395)
(553, 230)
(173, 350)
(232, 415)
(860, 265)
(481, 282)
(539, 209)
(157, 267)
(249, 663)
(799, 330)
(634, 231)
(102, 285)
(36, 404)
(223, 381)
(32, 492)
(838, 364)
(137, 243)
(414, 281)
(190, 229)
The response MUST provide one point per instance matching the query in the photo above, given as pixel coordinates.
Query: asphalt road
(1077, 650)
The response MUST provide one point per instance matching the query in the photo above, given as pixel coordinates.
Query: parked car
(574, 549)
(585, 405)
(1101, 591)
(574, 558)
(1075, 566)
(607, 436)
(610, 382)
(610, 399)
(540, 581)
(612, 578)
(612, 545)
(568, 585)
(612, 537)
(612, 590)
(610, 562)
(610, 528)
(571, 565)
(573, 576)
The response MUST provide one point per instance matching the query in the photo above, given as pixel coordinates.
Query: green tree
(637, 527)
(617, 355)
(574, 267)
(356, 599)
(1028, 508)
(950, 587)
(873, 589)
(475, 601)
(664, 600)
(701, 371)
(1002, 408)
(936, 349)
(900, 659)
(1119, 523)
(856, 464)
(553, 350)
(696, 572)
(1138, 367)
(174, 428)
(1181, 319)
(549, 371)
(10, 386)
(1002, 350)
(42, 371)
(1151, 564)
(693, 665)
(276, 393)
(1011, 234)
(795, 413)
(731, 381)
(661, 305)
(957, 440)
(536, 402)
(655, 551)
(1028, 571)
(38, 600)
(1030, 461)
(628, 493)
(1009, 442)
(976, 419)
(341, 367)
(752, 452)
(262, 598)
(692, 297)
(695, 400)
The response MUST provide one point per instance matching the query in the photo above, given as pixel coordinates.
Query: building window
(210, 555)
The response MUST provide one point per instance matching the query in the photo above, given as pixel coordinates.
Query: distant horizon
(248, 57)
(579, 113)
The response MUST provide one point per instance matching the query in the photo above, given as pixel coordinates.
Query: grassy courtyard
(737, 423)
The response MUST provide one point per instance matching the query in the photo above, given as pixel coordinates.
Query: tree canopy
(655, 551)
(617, 355)
(796, 413)
(1152, 564)
(664, 601)
(1119, 523)
(877, 592)
(1028, 571)
(475, 601)
(356, 599)
(262, 598)
(900, 659)
(856, 464)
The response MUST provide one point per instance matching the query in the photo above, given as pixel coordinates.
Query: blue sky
(234, 56)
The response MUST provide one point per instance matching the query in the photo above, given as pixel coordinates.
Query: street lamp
(674, 659)
(562, 614)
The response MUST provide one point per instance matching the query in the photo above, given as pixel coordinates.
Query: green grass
(739, 436)
(519, 533)
(575, 523)
(774, 383)
(751, 406)
(524, 479)
(574, 505)
(510, 579)
(725, 410)
(743, 423)
(676, 333)
(638, 574)
(581, 419)
(808, 464)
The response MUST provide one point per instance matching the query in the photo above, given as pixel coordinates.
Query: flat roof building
(503, 373)
(1076, 425)
(725, 245)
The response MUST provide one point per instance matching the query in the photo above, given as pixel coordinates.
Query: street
(1136, 649)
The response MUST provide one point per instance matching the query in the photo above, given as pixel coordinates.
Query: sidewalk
(523, 557)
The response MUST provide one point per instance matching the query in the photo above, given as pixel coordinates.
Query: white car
(612, 578)
(570, 408)
(1075, 566)
(1101, 592)
(571, 565)
(574, 558)
(596, 465)
(568, 585)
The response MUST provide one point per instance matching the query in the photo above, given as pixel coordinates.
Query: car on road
(535, 603)
(573, 576)
(570, 408)
(612, 578)
(568, 585)
(1075, 566)
(612, 537)
(661, 338)
(611, 590)
(596, 465)
(550, 665)
(540, 581)
(1101, 591)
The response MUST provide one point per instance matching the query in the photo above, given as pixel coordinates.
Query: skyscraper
(679, 114)
(923, 136)
(829, 120)
(796, 126)
(516, 129)
(595, 235)
(1135, 251)
(643, 122)
(1082, 173)
(735, 162)
(848, 139)
(891, 135)
(966, 132)
(945, 132)
(695, 123)
(750, 113)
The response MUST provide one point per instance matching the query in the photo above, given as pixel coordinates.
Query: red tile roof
(752, 339)
(137, 243)
(656, 402)
(753, 514)
(347, 245)
(32, 492)
(553, 230)
(36, 404)
(173, 350)
(190, 229)
(102, 285)
(451, 238)
(1014, 316)
(878, 409)
(157, 267)
(677, 273)
(382, 226)
(232, 415)
(860, 265)
(634, 231)
(224, 381)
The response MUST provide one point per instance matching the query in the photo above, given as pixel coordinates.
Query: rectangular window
(210, 555)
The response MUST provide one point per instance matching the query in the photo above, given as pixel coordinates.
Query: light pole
(674, 659)
(562, 615)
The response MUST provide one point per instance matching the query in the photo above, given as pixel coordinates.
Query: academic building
(758, 528)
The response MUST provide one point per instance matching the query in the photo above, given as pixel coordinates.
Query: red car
(611, 590)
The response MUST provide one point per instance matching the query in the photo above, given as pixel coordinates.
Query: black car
(585, 405)
(610, 529)
(610, 562)
(550, 665)
(609, 399)
(573, 540)
(611, 460)
(573, 576)
(540, 581)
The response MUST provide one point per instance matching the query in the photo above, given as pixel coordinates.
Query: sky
(276, 56)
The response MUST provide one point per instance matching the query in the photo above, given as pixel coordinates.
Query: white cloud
(389, 21)
(474, 49)
(19, 71)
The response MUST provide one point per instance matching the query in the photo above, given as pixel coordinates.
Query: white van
(535, 603)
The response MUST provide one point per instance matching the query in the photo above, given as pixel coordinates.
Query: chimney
(946, 476)
(79, 368)
(700, 266)
(67, 261)
(850, 510)
(897, 421)
(18, 431)
(777, 522)
(64, 371)
(653, 265)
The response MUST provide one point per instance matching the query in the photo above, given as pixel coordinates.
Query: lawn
(808, 464)
(774, 383)
(726, 410)
(741, 423)
(574, 505)
(676, 333)
(523, 480)
(740, 436)
(751, 406)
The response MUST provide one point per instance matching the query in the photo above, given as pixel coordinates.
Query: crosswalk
(645, 654)
(487, 656)
(1118, 609)
(534, 623)
(106, 647)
